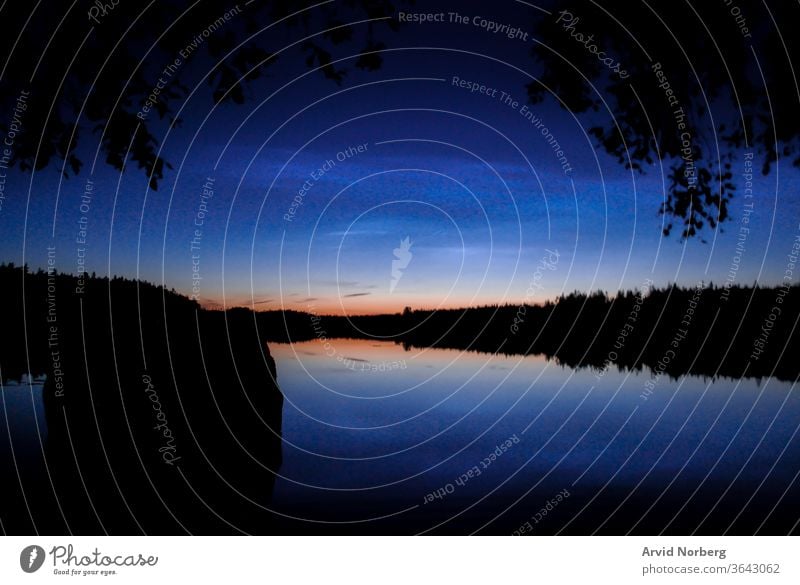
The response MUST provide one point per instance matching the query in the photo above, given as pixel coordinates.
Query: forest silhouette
(736, 331)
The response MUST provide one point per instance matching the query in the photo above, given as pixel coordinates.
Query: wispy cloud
(353, 233)
(344, 284)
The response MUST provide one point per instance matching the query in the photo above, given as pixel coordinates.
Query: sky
(300, 198)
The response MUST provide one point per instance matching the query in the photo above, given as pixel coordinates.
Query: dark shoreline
(710, 331)
(156, 409)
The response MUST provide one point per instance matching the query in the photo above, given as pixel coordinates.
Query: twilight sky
(314, 185)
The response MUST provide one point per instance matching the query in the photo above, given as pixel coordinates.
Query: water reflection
(23, 426)
(363, 440)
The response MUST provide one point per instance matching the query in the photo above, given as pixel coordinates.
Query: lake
(380, 438)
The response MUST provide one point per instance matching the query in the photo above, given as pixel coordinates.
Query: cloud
(338, 283)
(361, 294)
(353, 233)
(345, 284)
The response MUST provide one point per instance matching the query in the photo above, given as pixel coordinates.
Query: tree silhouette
(696, 86)
(93, 72)
(729, 71)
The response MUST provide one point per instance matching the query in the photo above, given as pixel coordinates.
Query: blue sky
(466, 177)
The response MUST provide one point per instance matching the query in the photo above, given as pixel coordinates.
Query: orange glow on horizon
(354, 307)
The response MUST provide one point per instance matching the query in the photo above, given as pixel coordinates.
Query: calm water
(371, 430)
(23, 426)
